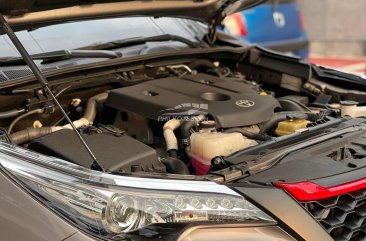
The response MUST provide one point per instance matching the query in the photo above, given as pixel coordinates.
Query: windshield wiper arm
(98, 50)
(59, 55)
(142, 40)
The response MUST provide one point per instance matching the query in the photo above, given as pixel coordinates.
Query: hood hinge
(216, 21)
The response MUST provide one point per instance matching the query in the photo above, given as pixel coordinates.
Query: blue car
(275, 26)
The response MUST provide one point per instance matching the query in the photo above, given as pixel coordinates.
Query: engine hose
(175, 166)
(11, 113)
(169, 136)
(173, 153)
(204, 63)
(199, 63)
(186, 132)
(32, 112)
(91, 106)
(250, 135)
(90, 111)
(186, 129)
(282, 116)
(292, 105)
(31, 133)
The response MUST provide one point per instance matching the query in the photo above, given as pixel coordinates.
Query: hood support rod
(42, 80)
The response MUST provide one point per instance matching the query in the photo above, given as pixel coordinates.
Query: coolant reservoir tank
(206, 145)
(351, 108)
(290, 126)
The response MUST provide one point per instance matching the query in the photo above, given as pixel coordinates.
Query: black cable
(11, 113)
(32, 112)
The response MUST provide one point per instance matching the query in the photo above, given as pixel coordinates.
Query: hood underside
(23, 14)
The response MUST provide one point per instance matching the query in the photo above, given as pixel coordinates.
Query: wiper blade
(49, 57)
(142, 40)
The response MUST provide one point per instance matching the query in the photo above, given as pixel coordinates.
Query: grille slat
(344, 216)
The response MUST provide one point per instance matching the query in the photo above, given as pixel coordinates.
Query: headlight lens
(110, 205)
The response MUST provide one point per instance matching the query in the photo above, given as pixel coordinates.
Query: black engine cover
(231, 103)
(116, 153)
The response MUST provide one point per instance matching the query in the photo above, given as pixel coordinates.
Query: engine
(201, 101)
(176, 124)
(229, 102)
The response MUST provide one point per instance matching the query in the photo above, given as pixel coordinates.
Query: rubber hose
(186, 131)
(173, 153)
(11, 113)
(33, 133)
(32, 112)
(292, 105)
(169, 136)
(186, 128)
(175, 166)
(250, 135)
(199, 63)
(91, 106)
(278, 117)
(204, 63)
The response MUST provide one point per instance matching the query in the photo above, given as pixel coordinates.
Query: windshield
(74, 35)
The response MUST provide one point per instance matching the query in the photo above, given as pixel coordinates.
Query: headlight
(110, 205)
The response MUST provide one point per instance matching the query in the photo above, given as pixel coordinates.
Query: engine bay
(192, 118)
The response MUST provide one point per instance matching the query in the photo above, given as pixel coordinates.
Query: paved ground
(355, 65)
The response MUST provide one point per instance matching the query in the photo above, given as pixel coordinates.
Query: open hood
(23, 14)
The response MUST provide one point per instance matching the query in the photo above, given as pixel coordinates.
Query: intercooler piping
(90, 111)
(88, 117)
(31, 133)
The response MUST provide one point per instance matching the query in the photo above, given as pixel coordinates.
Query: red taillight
(302, 21)
(236, 25)
(309, 191)
(301, 16)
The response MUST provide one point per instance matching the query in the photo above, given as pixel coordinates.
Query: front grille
(344, 216)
